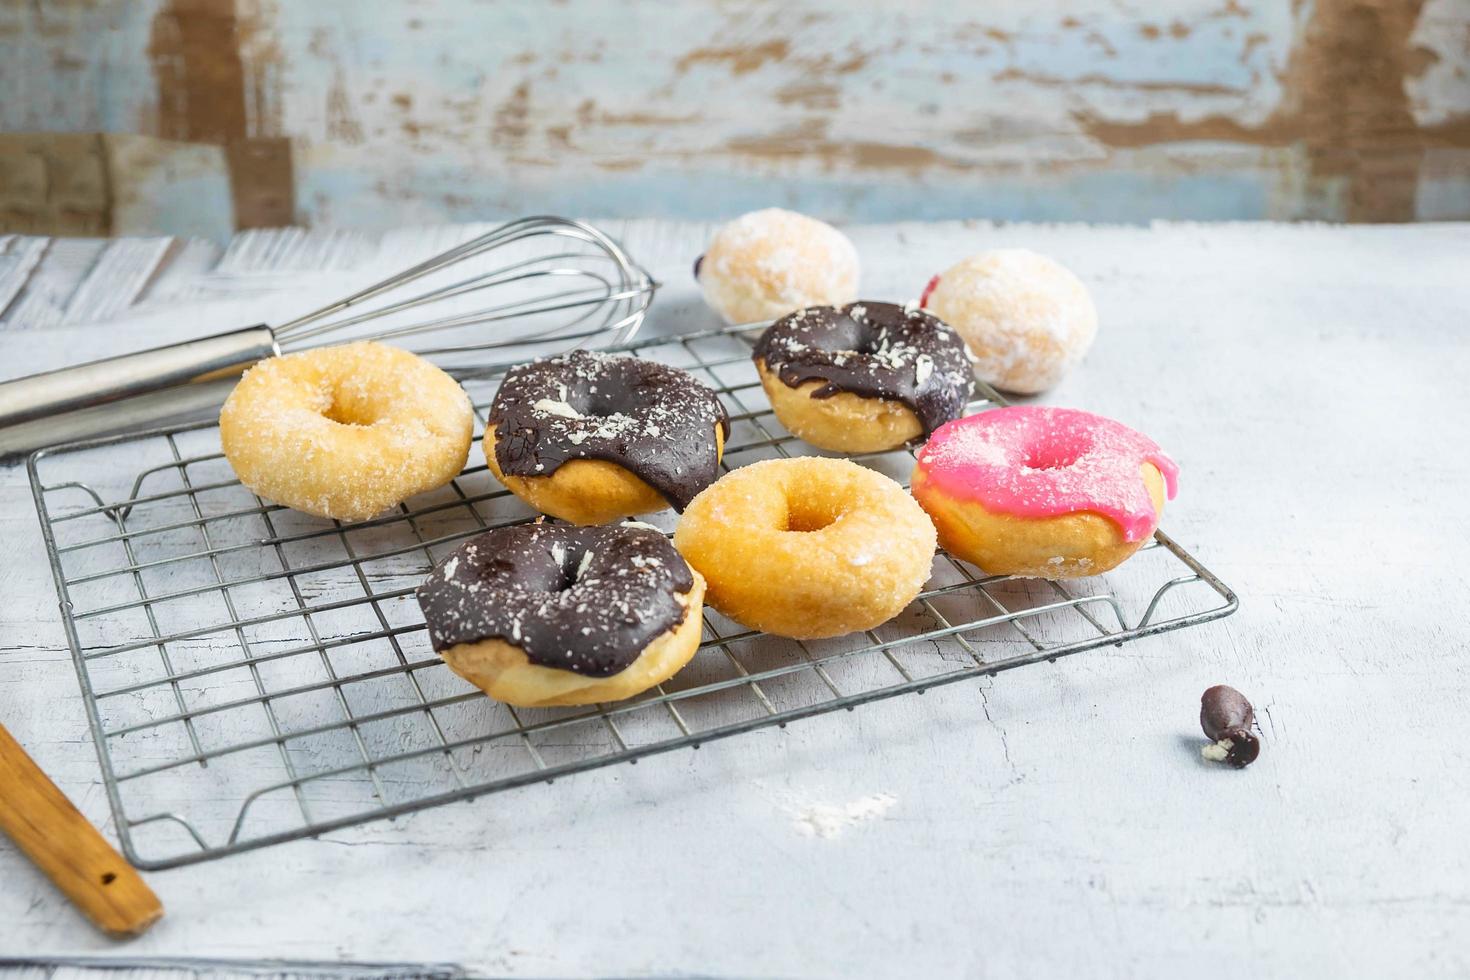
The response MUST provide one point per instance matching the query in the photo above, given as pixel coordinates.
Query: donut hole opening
(601, 404)
(348, 408)
(341, 417)
(847, 333)
(1053, 457)
(570, 572)
(605, 401)
(808, 515)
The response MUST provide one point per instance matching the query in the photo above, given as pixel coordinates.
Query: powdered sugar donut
(1043, 492)
(768, 263)
(1026, 318)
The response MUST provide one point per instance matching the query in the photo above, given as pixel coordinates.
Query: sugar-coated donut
(1026, 318)
(807, 547)
(538, 615)
(591, 437)
(1043, 492)
(767, 263)
(347, 431)
(864, 377)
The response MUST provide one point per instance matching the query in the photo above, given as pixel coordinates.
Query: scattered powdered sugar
(828, 820)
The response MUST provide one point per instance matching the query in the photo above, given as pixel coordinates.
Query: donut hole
(1049, 457)
(564, 576)
(549, 582)
(573, 571)
(847, 333)
(601, 404)
(344, 416)
(809, 515)
(607, 400)
(348, 407)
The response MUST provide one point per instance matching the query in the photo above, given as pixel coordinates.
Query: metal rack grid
(253, 675)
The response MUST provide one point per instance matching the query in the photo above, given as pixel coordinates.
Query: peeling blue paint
(457, 110)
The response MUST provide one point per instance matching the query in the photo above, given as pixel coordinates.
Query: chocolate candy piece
(1226, 718)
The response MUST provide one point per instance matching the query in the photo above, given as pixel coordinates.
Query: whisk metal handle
(58, 406)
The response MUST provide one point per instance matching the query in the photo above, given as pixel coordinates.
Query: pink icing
(1032, 461)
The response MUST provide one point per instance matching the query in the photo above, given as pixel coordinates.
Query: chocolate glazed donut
(540, 614)
(590, 437)
(864, 377)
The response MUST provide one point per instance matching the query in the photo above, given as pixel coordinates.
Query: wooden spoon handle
(78, 859)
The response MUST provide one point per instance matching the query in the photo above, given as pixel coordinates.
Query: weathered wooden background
(197, 116)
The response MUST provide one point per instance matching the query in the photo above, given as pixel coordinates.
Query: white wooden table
(1314, 384)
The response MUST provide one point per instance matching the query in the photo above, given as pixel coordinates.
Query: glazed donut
(1026, 318)
(592, 437)
(1039, 492)
(863, 378)
(538, 615)
(808, 547)
(346, 432)
(767, 263)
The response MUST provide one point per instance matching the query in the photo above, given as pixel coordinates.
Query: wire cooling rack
(254, 675)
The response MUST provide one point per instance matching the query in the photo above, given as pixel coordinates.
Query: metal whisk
(559, 282)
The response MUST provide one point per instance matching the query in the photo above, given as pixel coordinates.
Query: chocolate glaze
(584, 599)
(873, 350)
(653, 420)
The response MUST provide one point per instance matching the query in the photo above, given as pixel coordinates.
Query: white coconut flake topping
(547, 406)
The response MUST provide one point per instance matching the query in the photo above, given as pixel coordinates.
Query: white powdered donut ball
(768, 263)
(1025, 317)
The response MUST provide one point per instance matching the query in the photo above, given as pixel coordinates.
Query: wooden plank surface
(197, 116)
(1056, 820)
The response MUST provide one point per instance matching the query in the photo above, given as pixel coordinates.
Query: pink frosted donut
(1043, 492)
